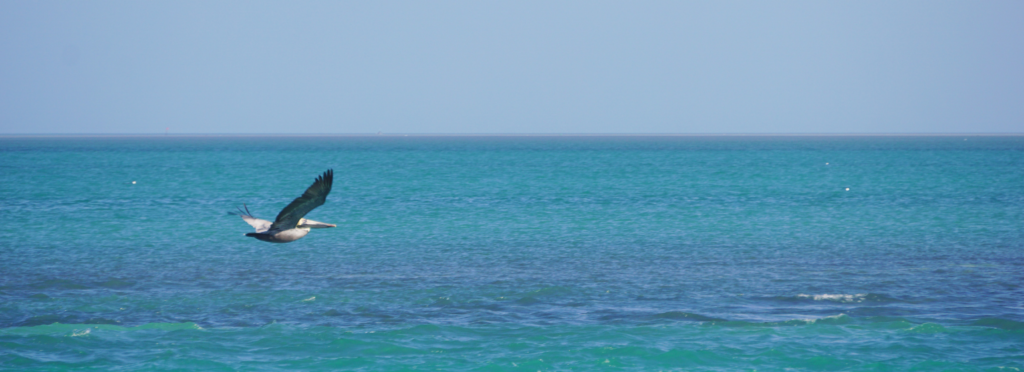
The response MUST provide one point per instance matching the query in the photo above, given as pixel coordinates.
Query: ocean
(506, 253)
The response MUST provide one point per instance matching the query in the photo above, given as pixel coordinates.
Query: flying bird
(290, 225)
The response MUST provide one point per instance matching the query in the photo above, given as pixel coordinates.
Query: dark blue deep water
(515, 253)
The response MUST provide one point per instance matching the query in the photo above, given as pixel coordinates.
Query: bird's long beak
(315, 224)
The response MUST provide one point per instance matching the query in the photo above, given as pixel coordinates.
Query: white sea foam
(310, 299)
(831, 317)
(827, 319)
(77, 333)
(835, 297)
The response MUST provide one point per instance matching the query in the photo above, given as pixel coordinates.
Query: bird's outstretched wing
(314, 197)
(256, 223)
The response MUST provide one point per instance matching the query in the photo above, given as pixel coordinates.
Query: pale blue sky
(512, 67)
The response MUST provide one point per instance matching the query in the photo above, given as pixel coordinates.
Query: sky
(492, 67)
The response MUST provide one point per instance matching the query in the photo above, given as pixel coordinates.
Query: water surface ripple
(515, 253)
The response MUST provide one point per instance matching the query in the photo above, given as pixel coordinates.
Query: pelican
(290, 225)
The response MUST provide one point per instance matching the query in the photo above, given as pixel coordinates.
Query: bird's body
(290, 225)
(281, 236)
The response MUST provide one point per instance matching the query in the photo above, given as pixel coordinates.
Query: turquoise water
(515, 253)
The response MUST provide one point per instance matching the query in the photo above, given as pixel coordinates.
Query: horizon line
(568, 134)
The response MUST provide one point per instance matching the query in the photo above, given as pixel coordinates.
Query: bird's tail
(242, 212)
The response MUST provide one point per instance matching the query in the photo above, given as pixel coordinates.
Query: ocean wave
(60, 284)
(543, 294)
(39, 320)
(680, 315)
(836, 297)
(831, 319)
(837, 319)
(63, 318)
(65, 284)
(843, 298)
(333, 312)
(928, 328)
(69, 329)
(1004, 324)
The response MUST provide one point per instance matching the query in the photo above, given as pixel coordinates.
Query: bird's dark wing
(314, 197)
